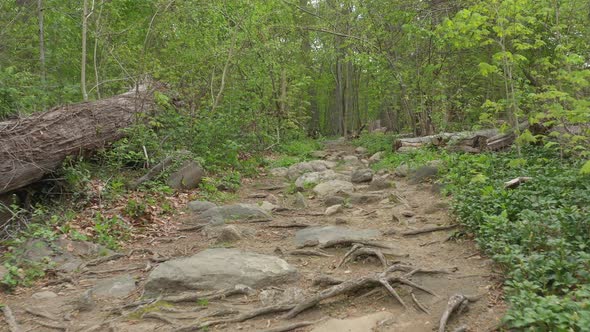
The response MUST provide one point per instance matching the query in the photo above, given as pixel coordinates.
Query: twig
(453, 304)
(10, 320)
(418, 304)
(337, 242)
(429, 230)
(303, 252)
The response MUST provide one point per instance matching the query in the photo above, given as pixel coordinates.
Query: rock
(380, 183)
(375, 158)
(359, 324)
(117, 287)
(402, 171)
(423, 174)
(45, 295)
(408, 214)
(334, 209)
(275, 296)
(360, 150)
(36, 250)
(333, 200)
(219, 268)
(85, 302)
(268, 206)
(308, 166)
(189, 176)
(228, 234)
(299, 201)
(317, 177)
(350, 159)
(367, 198)
(279, 172)
(361, 175)
(238, 211)
(319, 154)
(333, 187)
(200, 206)
(323, 234)
(340, 221)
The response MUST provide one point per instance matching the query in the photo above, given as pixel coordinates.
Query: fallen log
(471, 140)
(37, 145)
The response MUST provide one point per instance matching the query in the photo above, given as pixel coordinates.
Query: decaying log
(37, 145)
(516, 182)
(471, 139)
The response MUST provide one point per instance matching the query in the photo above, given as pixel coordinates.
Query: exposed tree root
(324, 280)
(429, 230)
(159, 316)
(192, 228)
(240, 318)
(358, 250)
(10, 320)
(237, 290)
(52, 325)
(456, 303)
(289, 225)
(101, 260)
(110, 271)
(418, 304)
(303, 252)
(384, 279)
(292, 327)
(347, 242)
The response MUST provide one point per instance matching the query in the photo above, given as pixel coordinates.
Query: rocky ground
(356, 251)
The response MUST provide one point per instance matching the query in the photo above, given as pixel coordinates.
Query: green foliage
(539, 232)
(375, 142)
(110, 231)
(301, 148)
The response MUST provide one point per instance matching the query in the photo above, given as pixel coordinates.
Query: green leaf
(586, 168)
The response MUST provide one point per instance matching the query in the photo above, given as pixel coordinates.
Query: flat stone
(333, 187)
(279, 172)
(200, 206)
(219, 214)
(365, 198)
(359, 324)
(268, 206)
(189, 176)
(323, 234)
(375, 158)
(380, 183)
(219, 268)
(229, 233)
(308, 166)
(45, 295)
(318, 177)
(332, 210)
(361, 175)
(117, 287)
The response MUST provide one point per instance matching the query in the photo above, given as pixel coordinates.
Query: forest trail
(106, 295)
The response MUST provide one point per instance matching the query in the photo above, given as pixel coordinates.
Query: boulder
(279, 172)
(375, 158)
(45, 295)
(268, 206)
(318, 177)
(117, 287)
(220, 214)
(333, 200)
(350, 159)
(361, 175)
(323, 234)
(402, 171)
(200, 206)
(380, 183)
(189, 176)
(333, 187)
(219, 268)
(423, 174)
(365, 198)
(229, 234)
(360, 150)
(299, 201)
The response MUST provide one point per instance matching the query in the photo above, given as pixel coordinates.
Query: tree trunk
(41, 41)
(35, 146)
(83, 60)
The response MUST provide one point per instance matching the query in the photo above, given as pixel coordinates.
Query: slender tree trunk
(83, 60)
(41, 41)
(95, 53)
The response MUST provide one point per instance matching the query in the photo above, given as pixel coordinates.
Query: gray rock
(367, 198)
(219, 268)
(358, 324)
(319, 154)
(375, 158)
(333, 200)
(82, 248)
(200, 206)
(360, 150)
(45, 295)
(189, 176)
(408, 214)
(317, 177)
(117, 287)
(275, 296)
(229, 233)
(350, 159)
(334, 209)
(85, 302)
(323, 234)
(333, 187)
(279, 172)
(361, 175)
(36, 250)
(380, 183)
(402, 171)
(219, 214)
(299, 201)
(308, 166)
(268, 206)
(423, 174)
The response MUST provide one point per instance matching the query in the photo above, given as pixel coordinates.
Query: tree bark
(83, 59)
(41, 41)
(35, 146)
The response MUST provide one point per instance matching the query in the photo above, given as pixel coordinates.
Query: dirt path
(415, 207)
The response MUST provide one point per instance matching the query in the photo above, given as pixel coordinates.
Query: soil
(472, 274)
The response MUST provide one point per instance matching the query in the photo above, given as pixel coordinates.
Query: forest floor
(65, 302)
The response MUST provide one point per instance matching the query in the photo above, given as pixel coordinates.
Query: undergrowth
(539, 232)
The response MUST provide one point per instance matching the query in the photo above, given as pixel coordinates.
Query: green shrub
(375, 142)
